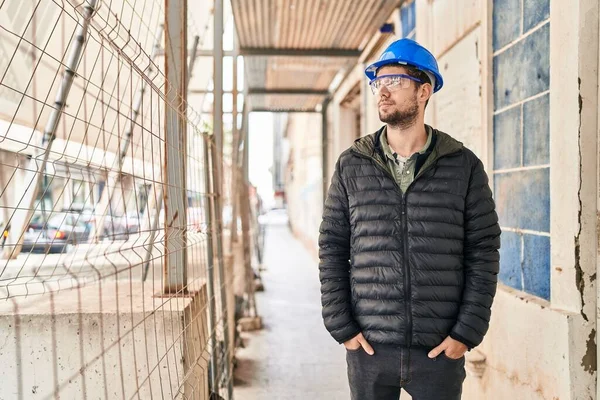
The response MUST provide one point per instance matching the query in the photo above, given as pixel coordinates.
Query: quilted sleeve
(481, 260)
(334, 262)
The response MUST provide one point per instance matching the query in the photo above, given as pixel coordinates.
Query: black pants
(380, 376)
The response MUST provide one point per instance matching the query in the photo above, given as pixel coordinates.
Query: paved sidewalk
(293, 357)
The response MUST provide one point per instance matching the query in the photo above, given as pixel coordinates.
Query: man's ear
(426, 92)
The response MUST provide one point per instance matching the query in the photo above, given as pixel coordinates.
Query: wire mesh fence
(113, 282)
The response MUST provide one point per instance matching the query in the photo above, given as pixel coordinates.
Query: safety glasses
(392, 82)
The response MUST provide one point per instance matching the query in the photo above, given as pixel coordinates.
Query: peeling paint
(579, 281)
(598, 228)
(580, 101)
(589, 360)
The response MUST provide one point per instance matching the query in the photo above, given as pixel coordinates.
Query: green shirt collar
(390, 153)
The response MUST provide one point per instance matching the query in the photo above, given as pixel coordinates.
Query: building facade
(521, 91)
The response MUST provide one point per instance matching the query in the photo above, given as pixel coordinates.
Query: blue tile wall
(407, 15)
(522, 139)
(523, 70)
(536, 265)
(523, 199)
(536, 131)
(532, 274)
(534, 13)
(510, 260)
(507, 139)
(506, 22)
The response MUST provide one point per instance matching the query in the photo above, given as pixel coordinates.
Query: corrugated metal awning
(294, 49)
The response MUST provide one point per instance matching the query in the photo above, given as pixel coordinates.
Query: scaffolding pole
(218, 85)
(22, 215)
(217, 162)
(159, 201)
(234, 153)
(247, 148)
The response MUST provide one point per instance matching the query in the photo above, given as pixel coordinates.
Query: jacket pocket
(444, 356)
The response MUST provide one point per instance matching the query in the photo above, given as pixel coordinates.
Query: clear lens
(391, 82)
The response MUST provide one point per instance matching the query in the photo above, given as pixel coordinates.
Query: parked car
(114, 229)
(53, 232)
(44, 241)
(121, 227)
(74, 224)
(131, 222)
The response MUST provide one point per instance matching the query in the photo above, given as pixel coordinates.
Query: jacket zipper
(407, 275)
(407, 290)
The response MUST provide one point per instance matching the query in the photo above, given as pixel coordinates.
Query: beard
(402, 119)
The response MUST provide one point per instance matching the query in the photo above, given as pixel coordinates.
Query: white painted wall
(304, 191)
(573, 131)
(526, 351)
(457, 107)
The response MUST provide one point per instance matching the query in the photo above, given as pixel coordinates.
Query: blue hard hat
(407, 51)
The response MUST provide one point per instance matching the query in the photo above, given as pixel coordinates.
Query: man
(408, 243)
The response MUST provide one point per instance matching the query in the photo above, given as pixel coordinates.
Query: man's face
(398, 108)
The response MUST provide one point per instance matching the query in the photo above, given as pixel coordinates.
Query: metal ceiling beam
(201, 53)
(262, 91)
(282, 110)
(275, 52)
(293, 52)
(287, 92)
(203, 91)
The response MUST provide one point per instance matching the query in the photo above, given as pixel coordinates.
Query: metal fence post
(210, 276)
(218, 225)
(245, 211)
(174, 195)
(159, 203)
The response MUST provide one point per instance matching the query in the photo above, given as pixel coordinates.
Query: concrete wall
(345, 126)
(10, 178)
(111, 342)
(574, 191)
(304, 177)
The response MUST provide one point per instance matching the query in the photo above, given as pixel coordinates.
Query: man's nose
(384, 91)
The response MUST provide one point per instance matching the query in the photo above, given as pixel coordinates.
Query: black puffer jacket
(409, 268)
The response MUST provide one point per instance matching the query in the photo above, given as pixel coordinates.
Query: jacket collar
(389, 152)
(441, 145)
